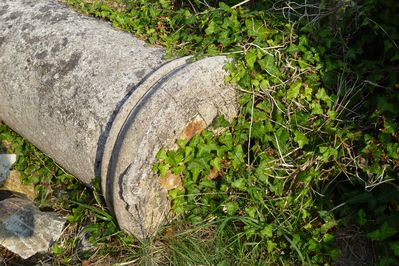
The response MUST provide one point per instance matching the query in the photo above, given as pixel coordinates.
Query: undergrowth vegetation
(57, 190)
(314, 150)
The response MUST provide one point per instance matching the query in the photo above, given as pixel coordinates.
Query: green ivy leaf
(251, 211)
(316, 108)
(250, 58)
(394, 246)
(332, 114)
(385, 106)
(307, 94)
(301, 139)
(224, 7)
(240, 184)
(239, 154)
(196, 166)
(57, 250)
(161, 155)
(393, 149)
(220, 121)
(270, 246)
(267, 231)
(323, 96)
(293, 91)
(268, 64)
(328, 152)
(385, 231)
(227, 139)
(231, 208)
(211, 28)
(361, 217)
(280, 142)
(216, 163)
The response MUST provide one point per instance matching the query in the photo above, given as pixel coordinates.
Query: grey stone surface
(6, 161)
(25, 230)
(62, 77)
(102, 103)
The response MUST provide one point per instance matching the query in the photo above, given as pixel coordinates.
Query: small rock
(84, 243)
(13, 183)
(6, 161)
(6, 144)
(25, 230)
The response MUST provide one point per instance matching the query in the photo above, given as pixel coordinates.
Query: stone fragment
(13, 183)
(6, 161)
(5, 144)
(25, 230)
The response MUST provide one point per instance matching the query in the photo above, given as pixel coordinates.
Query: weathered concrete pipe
(102, 103)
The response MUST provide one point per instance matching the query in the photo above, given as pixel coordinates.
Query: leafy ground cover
(306, 174)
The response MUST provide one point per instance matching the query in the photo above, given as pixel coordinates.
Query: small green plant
(37, 169)
(59, 191)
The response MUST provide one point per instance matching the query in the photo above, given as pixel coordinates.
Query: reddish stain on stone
(192, 128)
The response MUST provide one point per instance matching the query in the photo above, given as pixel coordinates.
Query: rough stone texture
(102, 103)
(25, 230)
(6, 161)
(157, 120)
(62, 74)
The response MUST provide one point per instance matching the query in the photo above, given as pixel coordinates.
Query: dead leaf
(171, 181)
(213, 174)
(86, 262)
(270, 151)
(169, 232)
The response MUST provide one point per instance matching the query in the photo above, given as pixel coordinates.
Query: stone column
(101, 102)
